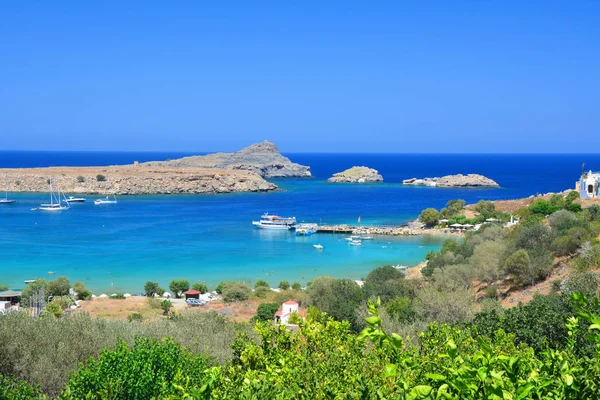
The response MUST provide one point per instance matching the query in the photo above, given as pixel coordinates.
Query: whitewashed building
(588, 185)
(288, 308)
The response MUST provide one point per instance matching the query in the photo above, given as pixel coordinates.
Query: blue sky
(336, 76)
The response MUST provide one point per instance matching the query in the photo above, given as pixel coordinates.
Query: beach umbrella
(443, 220)
(456, 226)
(166, 295)
(127, 295)
(103, 296)
(468, 225)
(491, 220)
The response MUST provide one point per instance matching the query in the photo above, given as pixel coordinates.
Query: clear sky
(326, 76)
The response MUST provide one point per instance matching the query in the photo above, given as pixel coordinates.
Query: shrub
(54, 308)
(294, 319)
(541, 206)
(486, 208)
(80, 179)
(261, 292)
(200, 286)
(3, 288)
(455, 206)
(100, 178)
(429, 216)
(572, 196)
(583, 282)
(118, 296)
(261, 283)
(401, 309)
(339, 298)
(166, 306)
(296, 286)
(284, 285)
(220, 287)
(386, 283)
(58, 287)
(491, 292)
(266, 311)
(563, 220)
(12, 390)
(236, 292)
(178, 286)
(151, 288)
(81, 291)
(150, 369)
(134, 317)
(31, 289)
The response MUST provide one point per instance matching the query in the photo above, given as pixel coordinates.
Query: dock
(374, 230)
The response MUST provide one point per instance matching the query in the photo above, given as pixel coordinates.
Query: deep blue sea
(210, 237)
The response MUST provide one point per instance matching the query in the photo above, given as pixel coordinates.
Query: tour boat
(275, 222)
(355, 243)
(72, 199)
(353, 238)
(55, 201)
(366, 237)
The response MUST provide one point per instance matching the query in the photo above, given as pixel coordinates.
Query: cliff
(134, 179)
(454, 181)
(263, 159)
(357, 175)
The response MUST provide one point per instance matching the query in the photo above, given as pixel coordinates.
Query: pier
(375, 230)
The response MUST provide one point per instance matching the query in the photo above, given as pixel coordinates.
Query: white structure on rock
(286, 310)
(588, 185)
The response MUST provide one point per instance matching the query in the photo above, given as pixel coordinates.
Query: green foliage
(152, 288)
(266, 311)
(588, 257)
(3, 288)
(261, 292)
(150, 369)
(572, 196)
(166, 306)
(517, 264)
(296, 286)
(236, 292)
(11, 390)
(118, 296)
(284, 285)
(583, 282)
(100, 178)
(386, 282)
(339, 298)
(429, 216)
(80, 179)
(200, 286)
(455, 206)
(563, 220)
(220, 287)
(294, 319)
(485, 208)
(137, 317)
(58, 287)
(541, 206)
(261, 283)
(178, 286)
(81, 291)
(54, 308)
(31, 289)
(401, 309)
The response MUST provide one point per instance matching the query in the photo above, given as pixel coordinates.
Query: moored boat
(318, 246)
(72, 199)
(277, 222)
(355, 243)
(305, 229)
(55, 201)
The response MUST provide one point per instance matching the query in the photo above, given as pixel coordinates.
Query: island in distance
(243, 171)
(454, 181)
(357, 175)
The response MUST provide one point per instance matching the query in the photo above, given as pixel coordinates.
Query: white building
(288, 308)
(588, 185)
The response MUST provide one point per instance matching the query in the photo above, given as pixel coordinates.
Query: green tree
(296, 286)
(236, 292)
(151, 288)
(541, 206)
(518, 264)
(261, 283)
(266, 311)
(401, 309)
(200, 286)
(294, 319)
(178, 286)
(429, 216)
(487, 261)
(59, 286)
(486, 208)
(572, 196)
(339, 298)
(261, 292)
(54, 308)
(284, 285)
(455, 206)
(82, 292)
(166, 306)
(3, 288)
(221, 286)
(100, 178)
(80, 179)
(386, 283)
(33, 288)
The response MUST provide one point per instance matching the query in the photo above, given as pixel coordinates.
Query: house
(286, 310)
(192, 294)
(588, 185)
(10, 296)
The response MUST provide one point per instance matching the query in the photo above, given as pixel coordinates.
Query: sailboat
(106, 200)
(55, 201)
(6, 200)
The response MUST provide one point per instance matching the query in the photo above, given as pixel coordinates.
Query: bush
(81, 291)
(261, 283)
(220, 287)
(541, 206)
(11, 390)
(296, 286)
(266, 311)
(58, 287)
(583, 282)
(32, 289)
(100, 178)
(261, 292)
(294, 319)
(563, 220)
(486, 208)
(150, 369)
(200, 286)
(3, 288)
(236, 292)
(54, 308)
(339, 298)
(401, 309)
(178, 286)
(152, 288)
(80, 179)
(386, 283)
(118, 296)
(491, 292)
(134, 317)
(166, 306)
(572, 196)
(429, 216)
(284, 285)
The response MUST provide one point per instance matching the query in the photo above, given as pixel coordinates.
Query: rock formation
(134, 179)
(357, 175)
(263, 159)
(454, 181)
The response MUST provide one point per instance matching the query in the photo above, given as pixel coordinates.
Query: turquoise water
(210, 237)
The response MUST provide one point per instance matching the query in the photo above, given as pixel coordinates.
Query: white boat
(318, 246)
(106, 200)
(6, 200)
(72, 199)
(55, 201)
(353, 238)
(355, 243)
(275, 222)
(306, 229)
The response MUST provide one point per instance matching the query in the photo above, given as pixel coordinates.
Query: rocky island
(263, 159)
(242, 171)
(454, 181)
(357, 175)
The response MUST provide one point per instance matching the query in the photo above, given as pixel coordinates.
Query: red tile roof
(290, 303)
(192, 291)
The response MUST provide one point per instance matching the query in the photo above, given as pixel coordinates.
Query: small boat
(355, 243)
(51, 272)
(6, 200)
(399, 267)
(106, 200)
(72, 199)
(318, 246)
(366, 237)
(353, 238)
(55, 201)
(275, 222)
(306, 229)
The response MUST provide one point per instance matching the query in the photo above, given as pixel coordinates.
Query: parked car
(195, 302)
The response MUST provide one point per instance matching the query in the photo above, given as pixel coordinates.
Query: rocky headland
(262, 158)
(357, 175)
(454, 181)
(133, 180)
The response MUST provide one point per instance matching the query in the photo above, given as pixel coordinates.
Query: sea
(210, 238)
